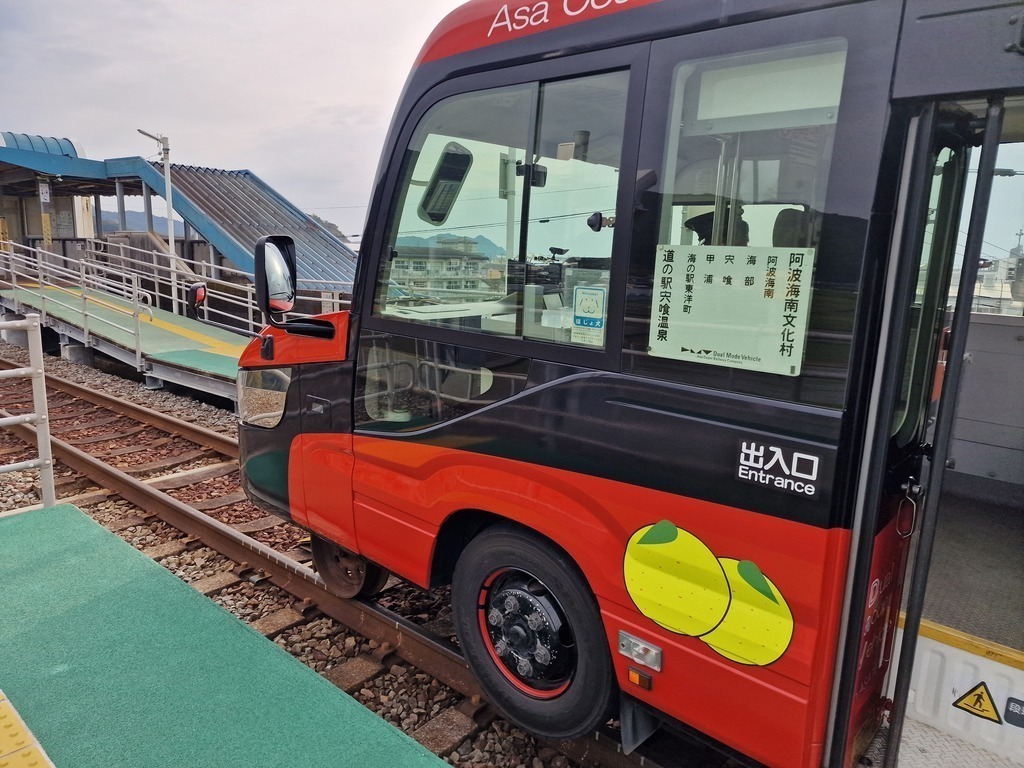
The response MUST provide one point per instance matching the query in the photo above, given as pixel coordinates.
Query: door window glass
(406, 384)
(725, 270)
(927, 310)
(504, 218)
(999, 289)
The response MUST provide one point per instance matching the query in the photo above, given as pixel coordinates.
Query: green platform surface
(114, 662)
(166, 337)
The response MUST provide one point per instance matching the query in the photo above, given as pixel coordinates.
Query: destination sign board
(736, 306)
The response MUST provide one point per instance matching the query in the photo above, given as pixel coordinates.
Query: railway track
(172, 488)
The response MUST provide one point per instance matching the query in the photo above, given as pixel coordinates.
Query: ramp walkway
(164, 345)
(113, 662)
(129, 304)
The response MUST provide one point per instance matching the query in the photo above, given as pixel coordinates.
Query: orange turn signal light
(636, 677)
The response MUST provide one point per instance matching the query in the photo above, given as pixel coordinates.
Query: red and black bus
(642, 349)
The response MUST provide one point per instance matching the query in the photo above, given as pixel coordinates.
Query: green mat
(112, 661)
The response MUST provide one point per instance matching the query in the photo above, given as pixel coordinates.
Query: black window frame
(850, 197)
(633, 58)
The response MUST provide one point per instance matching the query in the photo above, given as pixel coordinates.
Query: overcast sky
(299, 93)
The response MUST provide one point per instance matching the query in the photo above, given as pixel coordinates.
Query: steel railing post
(40, 418)
(138, 321)
(35, 356)
(85, 301)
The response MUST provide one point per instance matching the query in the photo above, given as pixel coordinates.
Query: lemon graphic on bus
(759, 625)
(675, 580)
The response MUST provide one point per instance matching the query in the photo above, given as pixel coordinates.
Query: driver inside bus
(734, 232)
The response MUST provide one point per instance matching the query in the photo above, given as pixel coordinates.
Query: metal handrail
(40, 416)
(225, 285)
(140, 277)
(31, 272)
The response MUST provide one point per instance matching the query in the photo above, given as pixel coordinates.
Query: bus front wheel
(531, 631)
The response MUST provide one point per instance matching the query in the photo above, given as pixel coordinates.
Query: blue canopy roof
(231, 209)
(48, 144)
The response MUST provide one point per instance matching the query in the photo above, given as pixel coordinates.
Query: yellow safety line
(1002, 654)
(215, 345)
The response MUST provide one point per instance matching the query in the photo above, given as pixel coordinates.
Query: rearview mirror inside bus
(445, 183)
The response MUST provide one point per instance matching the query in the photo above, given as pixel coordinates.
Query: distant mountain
(484, 246)
(330, 226)
(136, 221)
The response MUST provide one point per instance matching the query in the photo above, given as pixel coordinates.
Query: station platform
(967, 687)
(166, 346)
(112, 662)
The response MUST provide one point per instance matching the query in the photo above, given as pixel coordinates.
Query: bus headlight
(262, 394)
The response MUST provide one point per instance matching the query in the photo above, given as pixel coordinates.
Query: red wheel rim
(526, 633)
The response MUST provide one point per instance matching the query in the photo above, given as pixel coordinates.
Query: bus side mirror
(275, 276)
(445, 184)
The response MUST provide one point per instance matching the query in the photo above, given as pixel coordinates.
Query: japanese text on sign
(736, 306)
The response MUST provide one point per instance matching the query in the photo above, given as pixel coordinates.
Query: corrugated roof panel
(247, 209)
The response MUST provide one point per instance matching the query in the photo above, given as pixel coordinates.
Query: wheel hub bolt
(495, 617)
(501, 648)
(535, 620)
(542, 655)
(511, 604)
(525, 668)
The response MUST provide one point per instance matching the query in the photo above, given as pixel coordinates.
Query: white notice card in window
(737, 306)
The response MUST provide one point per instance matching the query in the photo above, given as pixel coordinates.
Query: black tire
(345, 573)
(511, 592)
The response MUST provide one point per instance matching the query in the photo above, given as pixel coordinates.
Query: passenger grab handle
(906, 515)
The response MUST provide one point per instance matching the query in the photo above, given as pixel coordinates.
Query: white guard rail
(141, 280)
(77, 286)
(231, 295)
(141, 277)
(39, 418)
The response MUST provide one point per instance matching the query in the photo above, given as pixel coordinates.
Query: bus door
(496, 251)
(750, 280)
(913, 429)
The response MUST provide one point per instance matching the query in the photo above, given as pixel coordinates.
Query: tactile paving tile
(18, 747)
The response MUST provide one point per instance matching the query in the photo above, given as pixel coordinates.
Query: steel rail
(208, 438)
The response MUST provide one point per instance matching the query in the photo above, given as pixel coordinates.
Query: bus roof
(480, 23)
(985, 58)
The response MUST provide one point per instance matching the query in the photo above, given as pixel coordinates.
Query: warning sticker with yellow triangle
(978, 702)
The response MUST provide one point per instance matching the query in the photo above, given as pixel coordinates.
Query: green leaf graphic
(751, 574)
(661, 533)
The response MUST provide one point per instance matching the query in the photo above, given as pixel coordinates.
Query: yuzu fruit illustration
(759, 626)
(675, 580)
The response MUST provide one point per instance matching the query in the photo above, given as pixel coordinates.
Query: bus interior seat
(792, 229)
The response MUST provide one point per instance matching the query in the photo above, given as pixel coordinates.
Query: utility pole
(165, 151)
